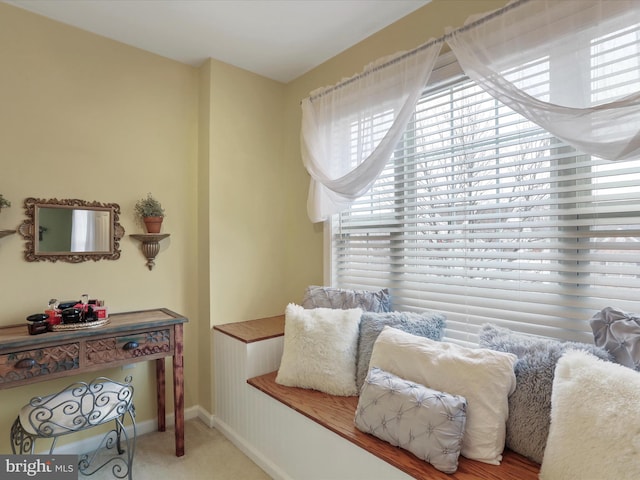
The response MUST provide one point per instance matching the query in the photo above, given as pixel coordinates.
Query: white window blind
(484, 216)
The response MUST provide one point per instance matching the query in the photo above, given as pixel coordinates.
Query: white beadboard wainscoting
(284, 443)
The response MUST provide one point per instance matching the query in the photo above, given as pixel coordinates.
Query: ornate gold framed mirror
(71, 230)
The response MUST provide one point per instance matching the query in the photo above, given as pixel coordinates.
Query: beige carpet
(208, 455)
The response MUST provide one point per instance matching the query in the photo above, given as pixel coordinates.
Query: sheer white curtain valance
(349, 133)
(571, 39)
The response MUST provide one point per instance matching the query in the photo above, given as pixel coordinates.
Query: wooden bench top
(254, 330)
(337, 414)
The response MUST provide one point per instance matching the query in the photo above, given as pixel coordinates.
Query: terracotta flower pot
(153, 224)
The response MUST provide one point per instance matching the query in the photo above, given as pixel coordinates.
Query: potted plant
(4, 202)
(151, 212)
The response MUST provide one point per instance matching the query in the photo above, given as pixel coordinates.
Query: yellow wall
(89, 118)
(86, 117)
(246, 193)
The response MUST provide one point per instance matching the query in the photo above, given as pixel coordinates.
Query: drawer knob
(25, 363)
(130, 346)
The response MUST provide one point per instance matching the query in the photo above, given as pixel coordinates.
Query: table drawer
(144, 344)
(39, 362)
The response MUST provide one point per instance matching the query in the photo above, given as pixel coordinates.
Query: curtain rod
(424, 46)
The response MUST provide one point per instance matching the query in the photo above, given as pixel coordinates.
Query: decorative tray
(79, 326)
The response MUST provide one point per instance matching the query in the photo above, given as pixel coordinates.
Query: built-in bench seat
(295, 434)
(337, 414)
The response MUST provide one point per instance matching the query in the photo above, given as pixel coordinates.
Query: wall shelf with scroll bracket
(150, 245)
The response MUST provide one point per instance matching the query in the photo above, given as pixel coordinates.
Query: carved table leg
(178, 390)
(160, 399)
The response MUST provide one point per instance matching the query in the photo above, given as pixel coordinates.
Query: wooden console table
(128, 337)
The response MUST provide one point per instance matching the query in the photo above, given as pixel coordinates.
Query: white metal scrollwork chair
(78, 407)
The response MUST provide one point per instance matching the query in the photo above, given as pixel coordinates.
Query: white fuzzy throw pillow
(320, 347)
(595, 421)
(484, 377)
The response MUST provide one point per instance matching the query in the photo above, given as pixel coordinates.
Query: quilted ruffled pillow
(329, 297)
(428, 423)
(619, 333)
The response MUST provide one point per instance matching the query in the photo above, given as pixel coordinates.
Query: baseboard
(264, 463)
(91, 443)
(205, 417)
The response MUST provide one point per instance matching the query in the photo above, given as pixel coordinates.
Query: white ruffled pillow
(484, 377)
(320, 347)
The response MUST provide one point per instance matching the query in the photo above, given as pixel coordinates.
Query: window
(486, 217)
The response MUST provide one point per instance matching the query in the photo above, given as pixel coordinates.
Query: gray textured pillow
(428, 423)
(530, 403)
(430, 325)
(618, 332)
(329, 297)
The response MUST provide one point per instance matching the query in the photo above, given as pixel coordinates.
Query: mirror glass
(71, 230)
